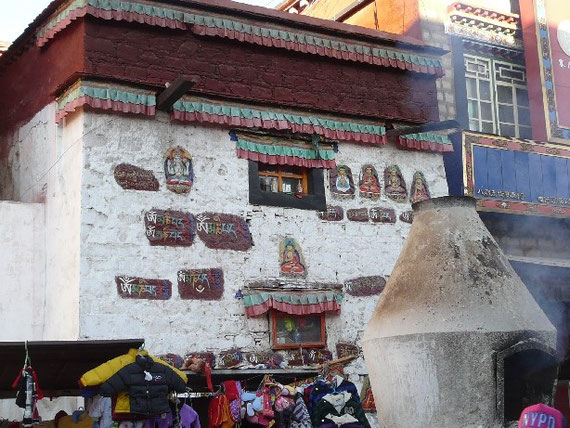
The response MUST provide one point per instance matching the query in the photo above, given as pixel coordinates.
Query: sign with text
(131, 287)
(169, 228)
(201, 284)
(224, 231)
(509, 175)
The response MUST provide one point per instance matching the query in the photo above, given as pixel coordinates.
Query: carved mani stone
(365, 286)
(358, 214)
(130, 287)
(224, 231)
(135, 178)
(201, 284)
(170, 228)
(382, 215)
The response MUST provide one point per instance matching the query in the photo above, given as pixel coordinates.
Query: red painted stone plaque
(359, 214)
(346, 350)
(170, 228)
(135, 178)
(407, 216)
(201, 284)
(230, 358)
(224, 231)
(271, 360)
(333, 213)
(365, 286)
(130, 287)
(308, 357)
(382, 215)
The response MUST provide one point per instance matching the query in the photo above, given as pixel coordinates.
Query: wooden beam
(174, 92)
(426, 127)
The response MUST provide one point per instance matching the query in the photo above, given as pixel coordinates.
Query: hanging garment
(339, 404)
(148, 383)
(322, 388)
(301, 417)
(100, 411)
(163, 421)
(95, 377)
(219, 413)
(188, 417)
(78, 419)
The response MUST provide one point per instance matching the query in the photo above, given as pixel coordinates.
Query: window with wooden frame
(295, 331)
(283, 179)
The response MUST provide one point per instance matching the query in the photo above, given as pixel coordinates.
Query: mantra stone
(407, 217)
(333, 213)
(346, 350)
(382, 215)
(201, 284)
(130, 287)
(170, 228)
(230, 358)
(224, 231)
(359, 214)
(365, 286)
(135, 178)
(308, 357)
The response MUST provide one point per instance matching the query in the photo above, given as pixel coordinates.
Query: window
(286, 186)
(283, 179)
(295, 331)
(497, 97)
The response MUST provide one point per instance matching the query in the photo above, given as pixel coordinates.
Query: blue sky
(17, 15)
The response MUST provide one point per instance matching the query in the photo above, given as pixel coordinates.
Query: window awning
(294, 303)
(281, 151)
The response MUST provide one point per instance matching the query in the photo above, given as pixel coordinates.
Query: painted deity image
(419, 191)
(292, 262)
(178, 170)
(341, 181)
(369, 184)
(394, 184)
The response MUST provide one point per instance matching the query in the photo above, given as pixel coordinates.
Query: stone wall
(113, 240)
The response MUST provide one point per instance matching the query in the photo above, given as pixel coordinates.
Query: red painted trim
(534, 79)
(98, 103)
(317, 308)
(529, 208)
(285, 160)
(274, 124)
(423, 145)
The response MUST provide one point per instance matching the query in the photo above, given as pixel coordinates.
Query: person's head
(342, 172)
(541, 416)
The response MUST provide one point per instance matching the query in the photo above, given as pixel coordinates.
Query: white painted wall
(113, 240)
(22, 271)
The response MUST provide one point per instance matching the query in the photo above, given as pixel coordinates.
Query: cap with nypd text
(541, 416)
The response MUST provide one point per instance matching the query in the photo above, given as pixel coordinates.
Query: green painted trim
(221, 23)
(282, 150)
(106, 94)
(293, 299)
(429, 136)
(248, 113)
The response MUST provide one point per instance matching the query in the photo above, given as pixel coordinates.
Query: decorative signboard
(178, 170)
(131, 287)
(365, 285)
(419, 191)
(308, 357)
(382, 215)
(546, 33)
(369, 185)
(230, 358)
(135, 178)
(394, 184)
(193, 358)
(407, 216)
(170, 228)
(333, 213)
(224, 231)
(291, 260)
(201, 284)
(357, 214)
(510, 175)
(347, 350)
(341, 181)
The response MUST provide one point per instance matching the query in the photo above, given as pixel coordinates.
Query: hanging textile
(300, 303)
(283, 151)
(427, 141)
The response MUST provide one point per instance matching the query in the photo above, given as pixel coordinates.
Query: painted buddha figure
(342, 180)
(395, 185)
(419, 190)
(369, 180)
(291, 259)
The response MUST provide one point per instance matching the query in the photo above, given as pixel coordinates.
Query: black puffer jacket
(147, 383)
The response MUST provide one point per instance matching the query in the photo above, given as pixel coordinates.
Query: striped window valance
(294, 303)
(283, 151)
(426, 141)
